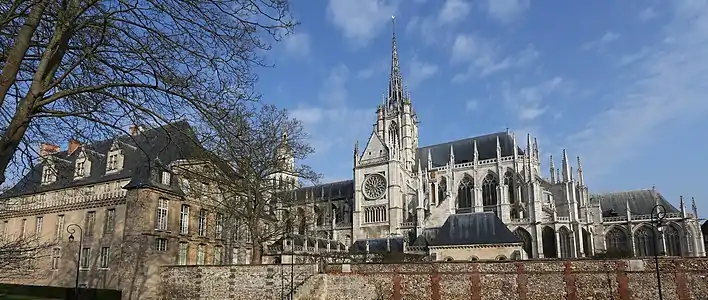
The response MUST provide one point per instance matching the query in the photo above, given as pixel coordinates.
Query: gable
(375, 148)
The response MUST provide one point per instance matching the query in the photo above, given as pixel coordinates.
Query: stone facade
(681, 279)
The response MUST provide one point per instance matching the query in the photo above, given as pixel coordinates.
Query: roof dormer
(115, 157)
(49, 171)
(82, 166)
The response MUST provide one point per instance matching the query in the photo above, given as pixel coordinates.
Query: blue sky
(622, 84)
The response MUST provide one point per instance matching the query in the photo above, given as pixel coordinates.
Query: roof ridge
(465, 139)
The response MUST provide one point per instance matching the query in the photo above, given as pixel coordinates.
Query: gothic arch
(672, 240)
(587, 241)
(644, 241)
(394, 134)
(490, 185)
(549, 242)
(319, 216)
(526, 240)
(565, 240)
(617, 241)
(337, 213)
(465, 194)
(302, 221)
(442, 189)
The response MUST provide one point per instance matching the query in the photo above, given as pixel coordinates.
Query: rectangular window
(38, 226)
(79, 169)
(219, 228)
(184, 219)
(182, 259)
(166, 178)
(23, 228)
(56, 256)
(161, 218)
(59, 229)
(47, 174)
(113, 162)
(105, 257)
(160, 245)
(374, 214)
(85, 258)
(202, 222)
(200, 254)
(217, 255)
(90, 222)
(110, 220)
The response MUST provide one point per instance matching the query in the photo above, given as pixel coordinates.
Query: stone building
(135, 210)
(404, 191)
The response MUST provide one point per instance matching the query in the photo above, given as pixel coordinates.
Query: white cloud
(600, 43)
(671, 87)
(531, 102)
(486, 57)
(361, 20)
(454, 11)
(506, 11)
(420, 71)
(298, 44)
(647, 14)
(332, 123)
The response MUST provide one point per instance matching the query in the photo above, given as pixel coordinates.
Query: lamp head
(71, 238)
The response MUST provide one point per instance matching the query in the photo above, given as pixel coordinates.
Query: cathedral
(483, 197)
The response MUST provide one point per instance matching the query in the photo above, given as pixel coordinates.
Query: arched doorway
(526, 241)
(565, 240)
(549, 242)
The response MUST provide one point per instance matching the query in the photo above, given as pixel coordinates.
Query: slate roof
(464, 149)
(145, 156)
(339, 190)
(704, 229)
(482, 228)
(641, 202)
(378, 245)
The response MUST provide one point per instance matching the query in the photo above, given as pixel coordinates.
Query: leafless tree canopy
(19, 256)
(256, 151)
(84, 68)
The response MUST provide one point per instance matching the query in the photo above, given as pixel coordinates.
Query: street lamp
(71, 229)
(658, 214)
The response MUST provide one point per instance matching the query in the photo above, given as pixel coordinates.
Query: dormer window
(114, 162)
(82, 167)
(48, 173)
(166, 177)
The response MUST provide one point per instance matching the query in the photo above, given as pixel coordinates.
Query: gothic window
(564, 238)
(489, 193)
(302, 225)
(442, 190)
(465, 195)
(374, 214)
(393, 135)
(672, 241)
(525, 238)
(319, 216)
(431, 193)
(511, 186)
(617, 242)
(644, 241)
(337, 213)
(689, 242)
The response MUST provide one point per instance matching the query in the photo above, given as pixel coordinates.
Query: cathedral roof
(378, 245)
(473, 229)
(338, 190)
(464, 149)
(641, 202)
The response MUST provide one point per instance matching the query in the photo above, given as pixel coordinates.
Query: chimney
(135, 129)
(73, 145)
(47, 149)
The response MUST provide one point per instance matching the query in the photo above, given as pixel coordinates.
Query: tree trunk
(257, 254)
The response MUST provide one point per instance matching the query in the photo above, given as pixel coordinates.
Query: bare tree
(20, 254)
(84, 68)
(255, 153)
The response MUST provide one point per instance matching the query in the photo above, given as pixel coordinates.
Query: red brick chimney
(47, 149)
(135, 129)
(73, 145)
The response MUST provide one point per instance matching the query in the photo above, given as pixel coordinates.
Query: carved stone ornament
(374, 186)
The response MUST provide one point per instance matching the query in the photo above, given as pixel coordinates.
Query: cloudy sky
(622, 84)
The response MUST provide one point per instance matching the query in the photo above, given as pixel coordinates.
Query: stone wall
(232, 282)
(681, 279)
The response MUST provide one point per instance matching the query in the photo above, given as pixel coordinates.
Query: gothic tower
(384, 176)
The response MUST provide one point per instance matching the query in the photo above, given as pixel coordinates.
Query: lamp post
(658, 214)
(71, 229)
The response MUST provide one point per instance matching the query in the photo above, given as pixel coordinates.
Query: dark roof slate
(145, 157)
(378, 245)
(482, 228)
(464, 149)
(641, 202)
(339, 190)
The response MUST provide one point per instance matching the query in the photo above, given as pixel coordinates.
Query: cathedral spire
(395, 82)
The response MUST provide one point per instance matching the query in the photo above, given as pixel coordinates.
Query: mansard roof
(338, 190)
(145, 156)
(641, 202)
(483, 228)
(464, 149)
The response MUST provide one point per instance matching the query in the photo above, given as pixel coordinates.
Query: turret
(476, 155)
(566, 167)
(553, 169)
(581, 179)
